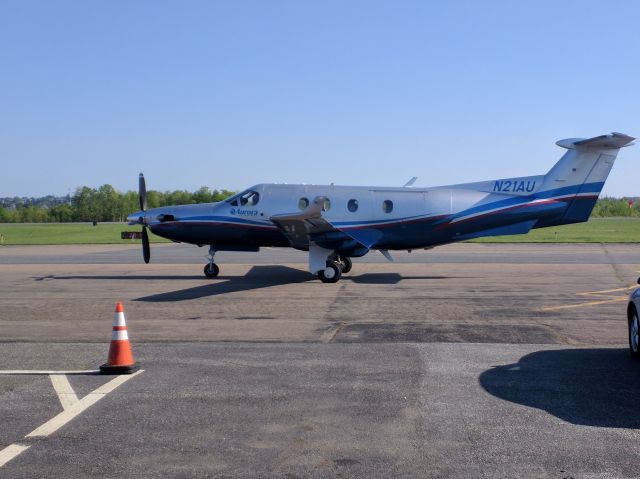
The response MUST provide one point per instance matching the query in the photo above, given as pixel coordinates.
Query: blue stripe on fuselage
(400, 233)
(521, 200)
(510, 202)
(226, 219)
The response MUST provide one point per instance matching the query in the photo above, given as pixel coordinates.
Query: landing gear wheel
(634, 335)
(346, 264)
(211, 270)
(331, 274)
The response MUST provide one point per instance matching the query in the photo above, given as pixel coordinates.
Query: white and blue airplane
(336, 223)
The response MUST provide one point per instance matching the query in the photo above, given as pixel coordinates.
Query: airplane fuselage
(397, 218)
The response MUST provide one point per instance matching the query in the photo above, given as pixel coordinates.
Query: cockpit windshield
(246, 198)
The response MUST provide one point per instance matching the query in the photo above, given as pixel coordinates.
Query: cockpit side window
(246, 198)
(250, 198)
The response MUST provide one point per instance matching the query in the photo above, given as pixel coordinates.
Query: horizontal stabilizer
(612, 141)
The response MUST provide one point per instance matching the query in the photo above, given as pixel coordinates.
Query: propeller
(142, 194)
(146, 249)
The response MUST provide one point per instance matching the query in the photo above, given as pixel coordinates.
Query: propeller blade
(142, 192)
(146, 250)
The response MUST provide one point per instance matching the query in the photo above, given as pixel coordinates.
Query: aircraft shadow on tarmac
(257, 277)
(119, 277)
(385, 278)
(266, 276)
(591, 387)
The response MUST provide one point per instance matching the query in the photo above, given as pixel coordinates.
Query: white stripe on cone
(119, 335)
(118, 320)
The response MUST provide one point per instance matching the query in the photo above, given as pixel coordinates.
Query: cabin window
(352, 205)
(303, 203)
(387, 206)
(326, 205)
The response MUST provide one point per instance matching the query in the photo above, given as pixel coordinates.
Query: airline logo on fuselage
(243, 212)
(514, 186)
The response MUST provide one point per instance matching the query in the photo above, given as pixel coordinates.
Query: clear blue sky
(228, 94)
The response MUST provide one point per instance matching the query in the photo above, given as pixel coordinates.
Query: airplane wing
(300, 227)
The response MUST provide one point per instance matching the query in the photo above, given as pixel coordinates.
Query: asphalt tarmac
(462, 361)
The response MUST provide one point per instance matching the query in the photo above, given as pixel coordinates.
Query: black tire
(211, 270)
(346, 264)
(331, 274)
(634, 335)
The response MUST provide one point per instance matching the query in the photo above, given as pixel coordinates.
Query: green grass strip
(68, 233)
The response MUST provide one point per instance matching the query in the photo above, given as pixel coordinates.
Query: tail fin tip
(613, 141)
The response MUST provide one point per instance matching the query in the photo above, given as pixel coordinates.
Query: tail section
(580, 174)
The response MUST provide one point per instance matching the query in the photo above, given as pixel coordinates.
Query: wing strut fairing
(308, 230)
(300, 227)
(310, 227)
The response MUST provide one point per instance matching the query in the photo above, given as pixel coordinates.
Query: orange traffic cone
(120, 359)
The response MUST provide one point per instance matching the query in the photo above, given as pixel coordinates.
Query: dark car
(634, 323)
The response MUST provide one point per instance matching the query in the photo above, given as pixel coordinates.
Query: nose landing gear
(211, 269)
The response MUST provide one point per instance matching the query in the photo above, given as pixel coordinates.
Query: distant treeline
(101, 204)
(609, 207)
(107, 204)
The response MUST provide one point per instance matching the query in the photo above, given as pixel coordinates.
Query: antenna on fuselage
(386, 254)
(410, 182)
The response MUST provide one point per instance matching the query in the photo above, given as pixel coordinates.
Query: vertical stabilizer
(580, 174)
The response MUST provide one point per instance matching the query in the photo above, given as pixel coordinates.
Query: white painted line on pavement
(28, 372)
(11, 451)
(89, 400)
(64, 390)
(70, 411)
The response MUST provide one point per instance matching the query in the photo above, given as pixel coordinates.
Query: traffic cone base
(120, 360)
(109, 369)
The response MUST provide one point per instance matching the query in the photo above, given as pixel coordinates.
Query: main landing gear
(211, 269)
(345, 263)
(336, 266)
